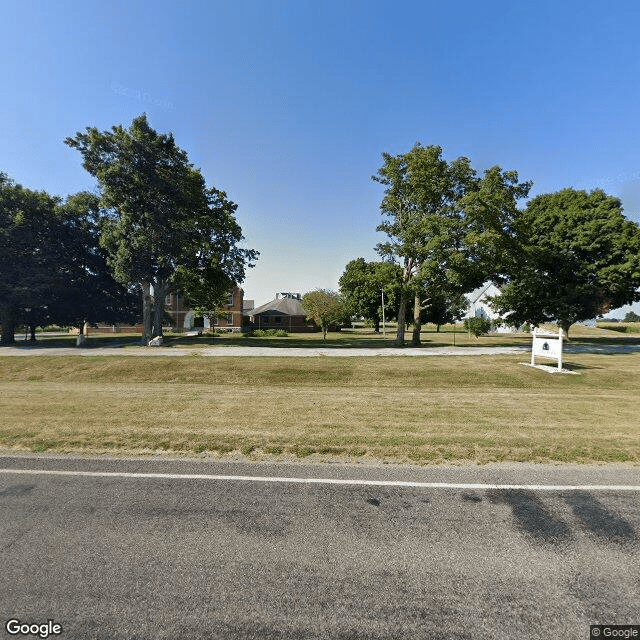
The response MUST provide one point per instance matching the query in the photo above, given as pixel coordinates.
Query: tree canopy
(577, 257)
(362, 284)
(88, 291)
(446, 226)
(442, 309)
(164, 229)
(53, 268)
(326, 308)
(29, 251)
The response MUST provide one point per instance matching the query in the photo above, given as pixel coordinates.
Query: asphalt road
(177, 556)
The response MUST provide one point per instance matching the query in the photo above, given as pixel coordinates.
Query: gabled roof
(479, 292)
(285, 306)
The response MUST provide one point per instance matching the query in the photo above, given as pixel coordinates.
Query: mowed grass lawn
(420, 410)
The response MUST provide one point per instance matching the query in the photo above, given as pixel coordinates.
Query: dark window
(278, 319)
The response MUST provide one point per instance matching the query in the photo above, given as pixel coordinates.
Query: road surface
(169, 549)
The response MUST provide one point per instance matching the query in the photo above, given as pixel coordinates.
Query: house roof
(285, 306)
(477, 293)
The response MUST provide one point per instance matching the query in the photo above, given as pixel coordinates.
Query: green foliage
(477, 326)
(362, 284)
(266, 333)
(53, 270)
(631, 317)
(577, 257)
(446, 226)
(326, 308)
(89, 292)
(441, 309)
(162, 227)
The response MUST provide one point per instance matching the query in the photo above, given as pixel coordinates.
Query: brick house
(184, 318)
(285, 312)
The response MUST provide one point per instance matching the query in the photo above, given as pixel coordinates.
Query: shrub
(477, 326)
(266, 333)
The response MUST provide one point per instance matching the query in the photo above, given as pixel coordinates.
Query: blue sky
(288, 106)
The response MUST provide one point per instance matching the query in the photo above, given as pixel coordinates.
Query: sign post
(547, 345)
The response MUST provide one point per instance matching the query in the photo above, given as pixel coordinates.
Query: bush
(477, 326)
(268, 333)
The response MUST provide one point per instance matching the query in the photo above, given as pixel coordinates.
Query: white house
(478, 306)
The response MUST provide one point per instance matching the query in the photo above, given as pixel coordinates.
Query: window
(229, 318)
(230, 299)
(265, 319)
(278, 319)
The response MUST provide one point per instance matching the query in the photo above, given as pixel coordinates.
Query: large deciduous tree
(362, 284)
(446, 226)
(53, 269)
(88, 292)
(165, 229)
(29, 254)
(578, 257)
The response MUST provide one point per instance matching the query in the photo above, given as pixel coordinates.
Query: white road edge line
(338, 481)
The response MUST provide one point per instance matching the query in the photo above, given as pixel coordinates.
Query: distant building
(229, 316)
(478, 306)
(284, 312)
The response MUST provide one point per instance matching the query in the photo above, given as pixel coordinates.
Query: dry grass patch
(424, 410)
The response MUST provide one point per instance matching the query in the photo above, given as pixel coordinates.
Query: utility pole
(384, 330)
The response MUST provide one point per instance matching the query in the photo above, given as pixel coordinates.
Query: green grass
(621, 327)
(421, 410)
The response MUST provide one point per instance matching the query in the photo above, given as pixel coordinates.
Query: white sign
(547, 345)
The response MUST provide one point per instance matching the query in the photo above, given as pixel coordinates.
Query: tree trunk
(417, 308)
(565, 326)
(146, 313)
(324, 333)
(402, 311)
(159, 294)
(8, 333)
(376, 325)
(32, 330)
(8, 324)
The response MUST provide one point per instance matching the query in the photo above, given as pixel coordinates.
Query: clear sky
(288, 105)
